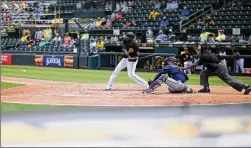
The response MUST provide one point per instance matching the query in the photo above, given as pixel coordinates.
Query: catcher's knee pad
(164, 77)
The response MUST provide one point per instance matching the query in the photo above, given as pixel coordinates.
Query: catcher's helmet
(130, 35)
(171, 59)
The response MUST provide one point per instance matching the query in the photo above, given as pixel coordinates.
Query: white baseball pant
(131, 67)
(239, 64)
(173, 85)
(187, 64)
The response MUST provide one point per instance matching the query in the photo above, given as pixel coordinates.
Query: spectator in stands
(15, 7)
(92, 24)
(67, 40)
(57, 38)
(164, 22)
(221, 36)
(119, 15)
(159, 61)
(200, 23)
(147, 65)
(149, 35)
(24, 37)
(130, 23)
(153, 14)
(163, 5)
(30, 41)
(92, 44)
(4, 6)
(103, 20)
(38, 35)
(209, 21)
(157, 5)
(85, 35)
(67, 37)
(98, 22)
(114, 16)
(185, 12)
(204, 35)
(43, 43)
(100, 44)
(48, 34)
(8, 17)
(249, 40)
(172, 5)
(161, 37)
(108, 23)
(37, 12)
(22, 5)
(124, 8)
(211, 37)
(114, 39)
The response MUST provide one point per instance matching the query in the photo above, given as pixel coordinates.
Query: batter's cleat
(148, 91)
(108, 89)
(247, 90)
(204, 90)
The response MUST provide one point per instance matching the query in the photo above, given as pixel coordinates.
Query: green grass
(5, 85)
(10, 107)
(91, 76)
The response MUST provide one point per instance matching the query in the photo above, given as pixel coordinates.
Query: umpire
(214, 67)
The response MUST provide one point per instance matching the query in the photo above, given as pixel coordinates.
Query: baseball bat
(151, 55)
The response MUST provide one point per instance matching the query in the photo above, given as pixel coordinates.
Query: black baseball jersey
(186, 57)
(131, 47)
(209, 60)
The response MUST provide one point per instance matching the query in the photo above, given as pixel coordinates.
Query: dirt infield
(83, 94)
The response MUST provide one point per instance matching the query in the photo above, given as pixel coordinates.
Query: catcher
(171, 75)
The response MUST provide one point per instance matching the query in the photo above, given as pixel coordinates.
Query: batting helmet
(130, 35)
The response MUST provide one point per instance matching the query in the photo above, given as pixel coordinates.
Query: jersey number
(130, 50)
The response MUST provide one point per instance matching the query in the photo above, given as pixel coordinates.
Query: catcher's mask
(170, 59)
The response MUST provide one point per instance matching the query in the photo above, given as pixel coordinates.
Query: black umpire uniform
(214, 67)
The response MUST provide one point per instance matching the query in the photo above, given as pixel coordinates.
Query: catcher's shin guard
(155, 84)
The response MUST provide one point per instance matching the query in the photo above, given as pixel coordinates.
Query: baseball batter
(172, 76)
(214, 67)
(129, 61)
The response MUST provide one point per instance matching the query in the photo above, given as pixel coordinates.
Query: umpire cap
(130, 35)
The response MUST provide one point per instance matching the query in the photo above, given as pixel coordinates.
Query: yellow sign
(58, 21)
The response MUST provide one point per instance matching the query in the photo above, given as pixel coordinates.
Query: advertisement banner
(69, 61)
(6, 59)
(247, 70)
(38, 60)
(53, 61)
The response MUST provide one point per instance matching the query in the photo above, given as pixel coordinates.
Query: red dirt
(84, 94)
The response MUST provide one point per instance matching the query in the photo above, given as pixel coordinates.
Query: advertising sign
(38, 60)
(69, 61)
(6, 59)
(247, 70)
(53, 61)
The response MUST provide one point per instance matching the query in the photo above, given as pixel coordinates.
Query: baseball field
(29, 88)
